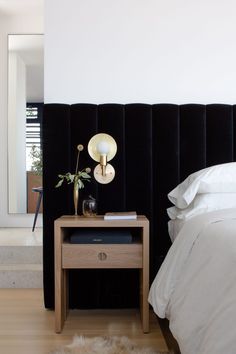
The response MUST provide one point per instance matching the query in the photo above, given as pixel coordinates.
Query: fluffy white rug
(103, 345)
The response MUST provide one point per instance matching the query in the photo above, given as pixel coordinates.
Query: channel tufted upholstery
(158, 146)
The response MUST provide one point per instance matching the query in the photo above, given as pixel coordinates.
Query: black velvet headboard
(158, 146)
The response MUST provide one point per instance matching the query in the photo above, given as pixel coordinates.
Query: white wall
(152, 51)
(23, 23)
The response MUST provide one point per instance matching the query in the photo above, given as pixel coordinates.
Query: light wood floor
(27, 328)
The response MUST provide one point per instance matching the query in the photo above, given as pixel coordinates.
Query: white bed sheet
(195, 287)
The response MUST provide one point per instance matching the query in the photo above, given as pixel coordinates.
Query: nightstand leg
(144, 305)
(144, 281)
(59, 301)
(65, 294)
(59, 283)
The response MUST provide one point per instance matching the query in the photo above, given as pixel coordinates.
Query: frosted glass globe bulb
(103, 147)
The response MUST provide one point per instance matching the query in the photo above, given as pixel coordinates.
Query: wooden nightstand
(74, 256)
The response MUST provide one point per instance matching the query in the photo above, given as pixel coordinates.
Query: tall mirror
(25, 104)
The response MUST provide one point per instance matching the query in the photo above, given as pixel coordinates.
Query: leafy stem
(79, 177)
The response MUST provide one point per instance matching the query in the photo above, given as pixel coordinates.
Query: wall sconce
(102, 148)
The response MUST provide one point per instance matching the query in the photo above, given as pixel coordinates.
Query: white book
(123, 215)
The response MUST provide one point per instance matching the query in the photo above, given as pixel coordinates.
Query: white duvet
(195, 287)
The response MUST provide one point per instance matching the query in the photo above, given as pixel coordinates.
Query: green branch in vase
(79, 177)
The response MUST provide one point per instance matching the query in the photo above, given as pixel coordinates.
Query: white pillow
(203, 203)
(214, 179)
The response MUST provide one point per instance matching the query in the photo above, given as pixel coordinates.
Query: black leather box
(101, 236)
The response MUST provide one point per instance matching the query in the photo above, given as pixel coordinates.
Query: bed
(168, 141)
(195, 288)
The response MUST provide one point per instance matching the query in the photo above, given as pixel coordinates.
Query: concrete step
(21, 276)
(21, 254)
(21, 266)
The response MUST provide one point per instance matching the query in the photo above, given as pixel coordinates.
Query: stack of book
(123, 215)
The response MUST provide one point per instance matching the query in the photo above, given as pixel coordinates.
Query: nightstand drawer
(102, 256)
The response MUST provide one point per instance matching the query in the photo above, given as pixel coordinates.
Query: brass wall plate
(108, 177)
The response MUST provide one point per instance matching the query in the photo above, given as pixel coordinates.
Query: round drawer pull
(102, 256)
